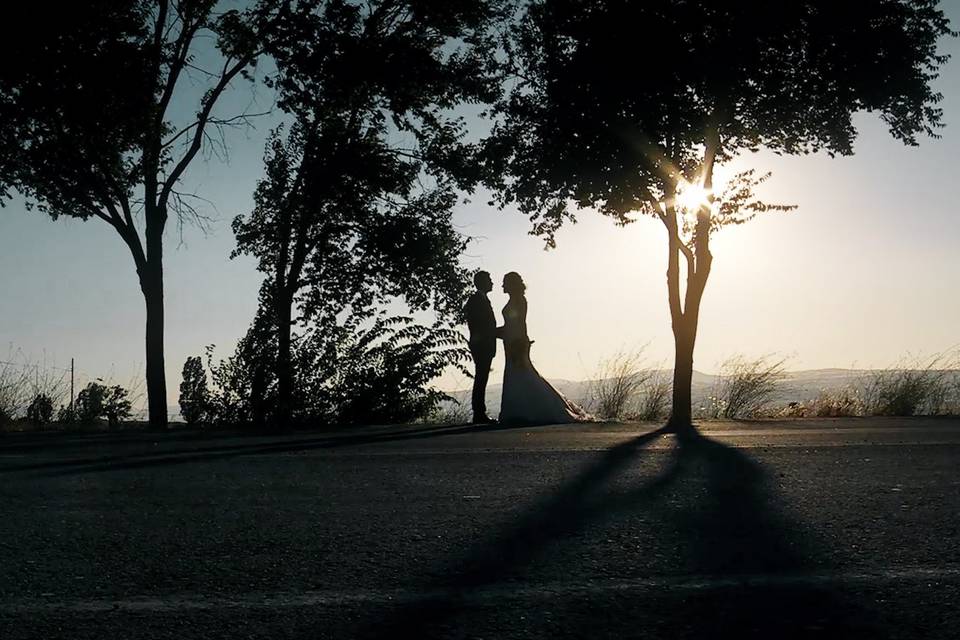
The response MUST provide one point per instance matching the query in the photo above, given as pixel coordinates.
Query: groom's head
(483, 281)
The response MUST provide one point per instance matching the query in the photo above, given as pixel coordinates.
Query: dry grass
(745, 388)
(14, 390)
(838, 403)
(655, 401)
(617, 384)
(451, 412)
(915, 387)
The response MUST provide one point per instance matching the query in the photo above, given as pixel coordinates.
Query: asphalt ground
(846, 528)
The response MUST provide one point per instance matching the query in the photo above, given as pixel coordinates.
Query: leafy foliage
(381, 373)
(357, 372)
(786, 77)
(355, 209)
(84, 111)
(40, 411)
(194, 392)
(97, 401)
(88, 128)
(245, 382)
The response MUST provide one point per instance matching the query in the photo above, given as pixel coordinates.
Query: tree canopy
(611, 97)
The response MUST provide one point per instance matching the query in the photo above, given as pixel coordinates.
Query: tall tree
(88, 125)
(356, 204)
(627, 107)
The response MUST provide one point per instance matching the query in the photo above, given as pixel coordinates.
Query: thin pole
(71, 390)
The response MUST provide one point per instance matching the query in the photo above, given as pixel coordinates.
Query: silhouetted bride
(527, 397)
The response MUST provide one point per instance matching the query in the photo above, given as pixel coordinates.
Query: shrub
(382, 374)
(97, 401)
(349, 373)
(194, 393)
(745, 387)
(40, 411)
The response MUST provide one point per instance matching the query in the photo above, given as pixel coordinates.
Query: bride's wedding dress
(527, 397)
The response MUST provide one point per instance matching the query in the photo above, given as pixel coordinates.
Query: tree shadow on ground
(144, 456)
(736, 565)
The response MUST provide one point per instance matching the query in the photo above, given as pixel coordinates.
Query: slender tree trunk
(258, 392)
(284, 306)
(686, 318)
(151, 283)
(681, 415)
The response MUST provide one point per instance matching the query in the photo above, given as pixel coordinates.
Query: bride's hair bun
(512, 282)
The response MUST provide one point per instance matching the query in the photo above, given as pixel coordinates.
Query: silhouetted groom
(483, 342)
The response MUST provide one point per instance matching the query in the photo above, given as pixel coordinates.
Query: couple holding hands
(527, 398)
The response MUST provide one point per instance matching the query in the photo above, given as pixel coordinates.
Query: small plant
(745, 387)
(616, 385)
(195, 403)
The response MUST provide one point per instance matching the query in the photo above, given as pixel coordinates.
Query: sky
(863, 273)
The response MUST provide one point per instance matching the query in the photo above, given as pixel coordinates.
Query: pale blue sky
(864, 272)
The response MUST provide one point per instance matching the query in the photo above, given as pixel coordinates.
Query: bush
(381, 374)
(40, 411)
(345, 374)
(194, 393)
(65, 415)
(97, 401)
(745, 387)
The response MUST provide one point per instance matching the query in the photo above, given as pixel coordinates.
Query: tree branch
(181, 51)
(673, 264)
(228, 74)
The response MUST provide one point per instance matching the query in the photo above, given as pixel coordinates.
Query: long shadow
(739, 529)
(740, 567)
(144, 459)
(515, 546)
(59, 441)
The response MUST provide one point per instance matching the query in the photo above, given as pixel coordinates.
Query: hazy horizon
(863, 273)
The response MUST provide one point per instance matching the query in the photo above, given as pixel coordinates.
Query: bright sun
(691, 196)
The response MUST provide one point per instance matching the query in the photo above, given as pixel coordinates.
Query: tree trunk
(151, 283)
(681, 415)
(699, 261)
(284, 306)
